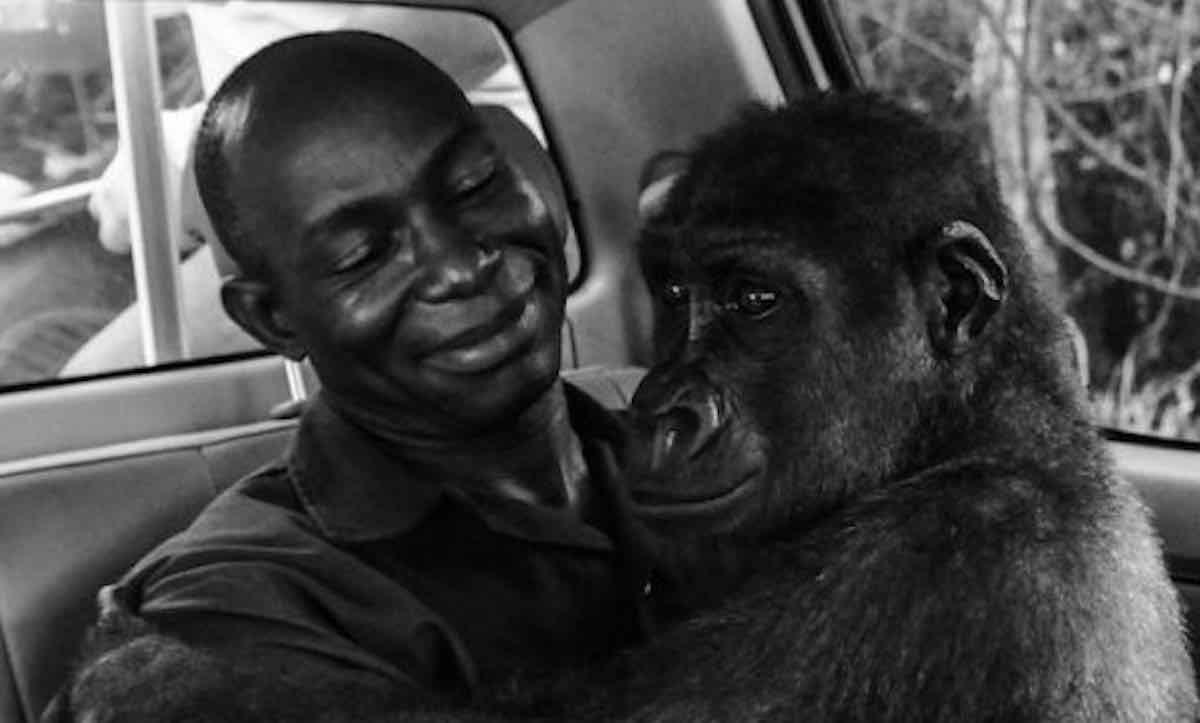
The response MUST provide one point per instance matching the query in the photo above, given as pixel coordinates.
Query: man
(449, 515)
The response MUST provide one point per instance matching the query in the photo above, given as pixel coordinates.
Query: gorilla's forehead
(681, 244)
(819, 233)
(719, 250)
(753, 203)
(819, 216)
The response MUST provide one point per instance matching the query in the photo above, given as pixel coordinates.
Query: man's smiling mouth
(476, 334)
(481, 333)
(492, 343)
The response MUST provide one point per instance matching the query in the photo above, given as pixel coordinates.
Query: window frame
(137, 94)
(807, 45)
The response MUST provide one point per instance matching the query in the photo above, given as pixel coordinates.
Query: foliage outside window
(1091, 114)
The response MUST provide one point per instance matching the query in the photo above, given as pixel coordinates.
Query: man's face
(420, 271)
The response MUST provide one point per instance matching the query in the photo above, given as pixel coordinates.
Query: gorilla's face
(769, 402)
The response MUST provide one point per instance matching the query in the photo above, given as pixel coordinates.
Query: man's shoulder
(261, 504)
(254, 561)
(257, 518)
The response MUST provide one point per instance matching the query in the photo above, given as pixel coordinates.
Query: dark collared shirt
(347, 558)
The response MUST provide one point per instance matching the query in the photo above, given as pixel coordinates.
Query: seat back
(73, 522)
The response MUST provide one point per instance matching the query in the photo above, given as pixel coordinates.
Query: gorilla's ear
(969, 283)
(252, 304)
(659, 173)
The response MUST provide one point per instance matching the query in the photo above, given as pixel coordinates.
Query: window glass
(68, 303)
(58, 285)
(1090, 112)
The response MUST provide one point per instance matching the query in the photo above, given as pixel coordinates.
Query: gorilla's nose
(678, 417)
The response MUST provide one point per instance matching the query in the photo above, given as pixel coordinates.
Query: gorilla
(866, 458)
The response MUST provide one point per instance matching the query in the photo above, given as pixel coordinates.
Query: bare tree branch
(1068, 241)
(932, 48)
(1176, 154)
(1107, 95)
(1071, 124)
(1097, 146)
(1158, 12)
(1089, 140)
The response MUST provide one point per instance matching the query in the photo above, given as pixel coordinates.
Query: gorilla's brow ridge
(662, 239)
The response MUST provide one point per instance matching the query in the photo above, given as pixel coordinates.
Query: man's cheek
(367, 316)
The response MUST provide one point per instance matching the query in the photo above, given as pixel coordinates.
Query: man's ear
(967, 285)
(252, 304)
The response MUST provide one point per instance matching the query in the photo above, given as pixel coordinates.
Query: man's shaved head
(285, 90)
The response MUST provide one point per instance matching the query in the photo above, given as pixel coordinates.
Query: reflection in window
(1091, 113)
(57, 134)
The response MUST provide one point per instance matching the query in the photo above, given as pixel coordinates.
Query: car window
(1091, 114)
(69, 299)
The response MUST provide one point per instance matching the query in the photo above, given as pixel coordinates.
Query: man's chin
(496, 396)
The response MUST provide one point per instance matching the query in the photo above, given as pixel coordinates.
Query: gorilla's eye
(752, 299)
(674, 293)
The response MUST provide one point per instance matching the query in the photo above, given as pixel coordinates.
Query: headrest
(509, 133)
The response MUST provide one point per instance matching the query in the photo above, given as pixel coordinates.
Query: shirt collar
(355, 491)
(349, 486)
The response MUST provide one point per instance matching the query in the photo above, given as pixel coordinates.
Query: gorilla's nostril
(680, 435)
(664, 445)
(710, 420)
(669, 437)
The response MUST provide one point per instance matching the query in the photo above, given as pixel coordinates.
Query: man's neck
(535, 457)
(544, 465)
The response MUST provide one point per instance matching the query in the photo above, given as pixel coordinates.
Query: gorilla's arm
(132, 673)
(940, 599)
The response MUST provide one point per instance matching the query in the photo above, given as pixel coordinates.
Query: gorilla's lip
(666, 506)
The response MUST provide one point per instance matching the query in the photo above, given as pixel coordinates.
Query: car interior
(97, 469)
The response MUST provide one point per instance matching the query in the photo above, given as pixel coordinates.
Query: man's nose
(455, 263)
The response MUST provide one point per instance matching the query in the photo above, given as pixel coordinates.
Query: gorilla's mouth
(661, 504)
